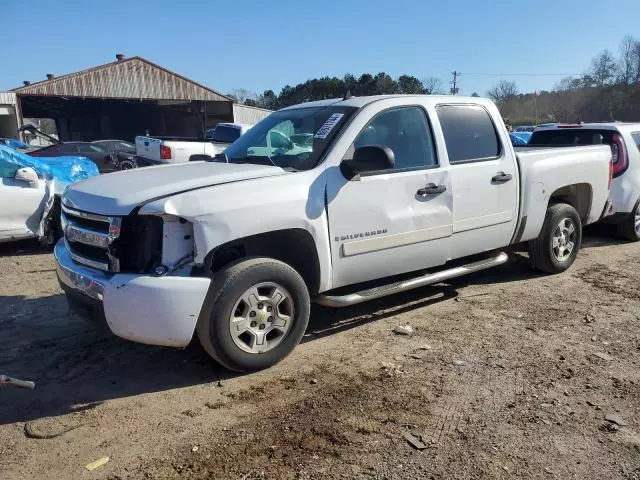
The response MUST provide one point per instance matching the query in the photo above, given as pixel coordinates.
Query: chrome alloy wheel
(564, 239)
(261, 317)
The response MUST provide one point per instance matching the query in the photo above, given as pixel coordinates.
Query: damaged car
(30, 190)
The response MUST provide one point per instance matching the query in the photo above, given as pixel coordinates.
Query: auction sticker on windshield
(325, 130)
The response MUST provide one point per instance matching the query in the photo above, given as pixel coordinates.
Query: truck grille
(90, 237)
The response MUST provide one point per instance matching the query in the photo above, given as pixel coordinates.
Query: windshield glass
(292, 139)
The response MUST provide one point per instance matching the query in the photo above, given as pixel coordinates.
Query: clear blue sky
(267, 44)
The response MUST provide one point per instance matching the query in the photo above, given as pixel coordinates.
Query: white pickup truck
(159, 150)
(402, 190)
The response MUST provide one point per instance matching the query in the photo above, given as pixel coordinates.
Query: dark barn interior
(94, 118)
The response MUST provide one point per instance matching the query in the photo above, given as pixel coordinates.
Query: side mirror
(29, 175)
(371, 158)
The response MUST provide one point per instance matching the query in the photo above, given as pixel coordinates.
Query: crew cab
(158, 150)
(370, 196)
(624, 140)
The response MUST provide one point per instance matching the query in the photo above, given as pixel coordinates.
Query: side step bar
(402, 286)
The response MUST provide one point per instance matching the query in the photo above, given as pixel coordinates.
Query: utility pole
(454, 82)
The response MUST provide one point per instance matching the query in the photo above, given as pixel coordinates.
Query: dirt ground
(509, 374)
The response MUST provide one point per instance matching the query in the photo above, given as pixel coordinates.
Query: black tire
(228, 285)
(541, 250)
(127, 165)
(627, 229)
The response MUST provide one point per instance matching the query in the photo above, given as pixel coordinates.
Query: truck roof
(362, 101)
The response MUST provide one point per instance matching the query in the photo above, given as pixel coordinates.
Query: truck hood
(119, 193)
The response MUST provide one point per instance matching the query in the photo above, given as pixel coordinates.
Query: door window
(7, 169)
(406, 132)
(469, 133)
(68, 148)
(90, 149)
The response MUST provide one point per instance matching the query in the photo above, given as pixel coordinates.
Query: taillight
(619, 158)
(165, 152)
(610, 171)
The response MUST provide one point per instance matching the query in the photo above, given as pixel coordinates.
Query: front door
(394, 221)
(22, 204)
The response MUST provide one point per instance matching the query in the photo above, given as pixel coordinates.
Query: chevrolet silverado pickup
(376, 195)
(159, 150)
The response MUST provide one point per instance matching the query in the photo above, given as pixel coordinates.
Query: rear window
(469, 133)
(571, 137)
(636, 139)
(225, 134)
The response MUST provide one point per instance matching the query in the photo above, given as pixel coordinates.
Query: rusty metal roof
(130, 78)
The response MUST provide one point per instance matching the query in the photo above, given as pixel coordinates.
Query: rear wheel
(126, 165)
(259, 313)
(557, 246)
(630, 228)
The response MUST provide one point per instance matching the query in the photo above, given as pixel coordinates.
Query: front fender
(227, 212)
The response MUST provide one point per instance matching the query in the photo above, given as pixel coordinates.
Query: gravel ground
(508, 374)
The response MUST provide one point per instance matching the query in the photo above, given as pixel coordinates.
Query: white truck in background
(404, 191)
(160, 150)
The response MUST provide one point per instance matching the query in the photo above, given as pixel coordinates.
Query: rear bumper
(141, 308)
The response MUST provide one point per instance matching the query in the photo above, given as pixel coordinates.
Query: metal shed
(128, 97)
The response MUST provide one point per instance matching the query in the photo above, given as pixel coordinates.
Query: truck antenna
(347, 94)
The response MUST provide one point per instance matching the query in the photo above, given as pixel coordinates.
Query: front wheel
(557, 246)
(259, 313)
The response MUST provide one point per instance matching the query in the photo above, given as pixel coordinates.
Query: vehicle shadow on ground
(23, 247)
(77, 365)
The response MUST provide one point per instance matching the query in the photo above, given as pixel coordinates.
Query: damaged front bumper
(142, 308)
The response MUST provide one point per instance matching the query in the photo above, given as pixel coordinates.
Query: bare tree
(627, 60)
(433, 85)
(603, 69)
(241, 95)
(504, 91)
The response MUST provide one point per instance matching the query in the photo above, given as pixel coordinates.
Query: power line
(522, 74)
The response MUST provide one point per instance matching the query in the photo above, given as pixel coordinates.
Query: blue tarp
(520, 138)
(17, 144)
(65, 170)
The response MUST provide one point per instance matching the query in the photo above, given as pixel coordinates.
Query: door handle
(431, 189)
(501, 177)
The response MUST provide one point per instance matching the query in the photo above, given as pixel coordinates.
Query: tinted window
(469, 133)
(85, 148)
(571, 137)
(225, 134)
(7, 170)
(636, 139)
(406, 132)
(66, 148)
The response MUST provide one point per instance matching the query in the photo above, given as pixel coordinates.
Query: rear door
(394, 221)
(484, 179)
(101, 157)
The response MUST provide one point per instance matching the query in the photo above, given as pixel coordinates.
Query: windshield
(291, 139)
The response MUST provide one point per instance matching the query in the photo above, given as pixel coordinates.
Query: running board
(403, 286)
